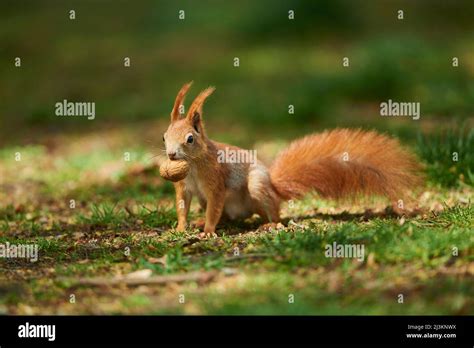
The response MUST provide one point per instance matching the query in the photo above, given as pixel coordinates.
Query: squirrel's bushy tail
(345, 163)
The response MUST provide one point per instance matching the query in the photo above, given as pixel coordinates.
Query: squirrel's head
(185, 137)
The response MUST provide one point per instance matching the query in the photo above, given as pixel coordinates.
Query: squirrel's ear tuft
(175, 113)
(196, 106)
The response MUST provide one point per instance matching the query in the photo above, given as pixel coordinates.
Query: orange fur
(196, 106)
(179, 100)
(375, 165)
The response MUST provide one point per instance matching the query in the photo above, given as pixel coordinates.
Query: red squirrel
(335, 164)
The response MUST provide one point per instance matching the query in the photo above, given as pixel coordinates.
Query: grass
(449, 155)
(258, 270)
(123, 221)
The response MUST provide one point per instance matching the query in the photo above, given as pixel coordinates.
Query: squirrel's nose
(172, 155)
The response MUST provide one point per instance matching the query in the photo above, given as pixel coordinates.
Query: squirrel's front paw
(181, 227)
(207, 235)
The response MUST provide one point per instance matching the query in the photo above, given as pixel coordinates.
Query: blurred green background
(282, 62)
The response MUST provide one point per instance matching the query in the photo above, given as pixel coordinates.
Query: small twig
(154, 280)
(246, 256)
(149, 211)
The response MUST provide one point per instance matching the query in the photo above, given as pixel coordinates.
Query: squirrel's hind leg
(266, 202)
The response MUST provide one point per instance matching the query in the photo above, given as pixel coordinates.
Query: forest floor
(104, 226)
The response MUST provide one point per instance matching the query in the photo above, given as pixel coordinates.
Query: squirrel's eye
(189, 139)
(163, 138)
